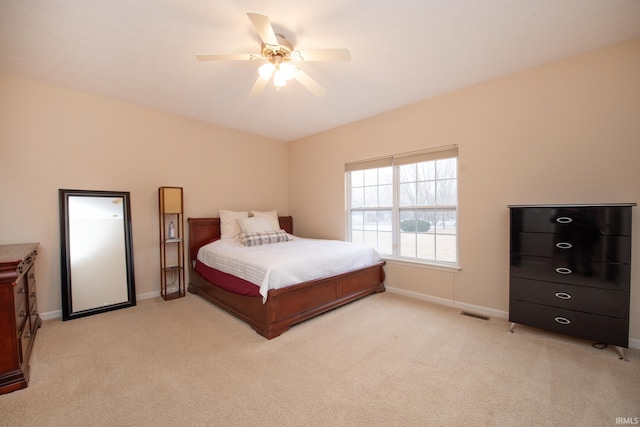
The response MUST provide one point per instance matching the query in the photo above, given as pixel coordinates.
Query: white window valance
(404, 158)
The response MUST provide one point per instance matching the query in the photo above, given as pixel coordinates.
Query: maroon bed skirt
(227, 281)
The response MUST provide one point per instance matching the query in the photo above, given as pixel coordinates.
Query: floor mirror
(96, 252)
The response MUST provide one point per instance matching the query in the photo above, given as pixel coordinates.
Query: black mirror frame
(65, 263)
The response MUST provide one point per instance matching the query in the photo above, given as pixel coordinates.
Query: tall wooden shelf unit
(172, 283)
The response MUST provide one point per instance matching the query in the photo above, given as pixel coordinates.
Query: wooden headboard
(206, 230)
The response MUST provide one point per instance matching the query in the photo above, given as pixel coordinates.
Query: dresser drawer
(22, 314)
(31, 279)
(20, 291)
(578, 298)
(589, 221)
(601, 248)
(594, 327)
(24, 343)
(34, 317)
(592, 274)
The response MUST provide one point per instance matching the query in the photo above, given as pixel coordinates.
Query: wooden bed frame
(286, 306)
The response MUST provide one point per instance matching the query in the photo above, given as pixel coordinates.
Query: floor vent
(477, 316)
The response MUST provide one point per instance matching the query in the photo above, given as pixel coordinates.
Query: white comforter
(278, 265)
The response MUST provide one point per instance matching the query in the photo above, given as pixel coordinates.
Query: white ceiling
(143, 51)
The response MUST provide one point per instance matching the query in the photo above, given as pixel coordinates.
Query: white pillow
(258, 224)
(272, 216)
(229, 226)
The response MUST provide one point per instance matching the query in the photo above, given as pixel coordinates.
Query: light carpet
(385, 360)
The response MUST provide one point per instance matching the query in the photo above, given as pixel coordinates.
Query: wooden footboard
(286, 306)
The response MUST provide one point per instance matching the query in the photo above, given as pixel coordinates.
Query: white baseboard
(633, 342)
(51, 315)
(148, 295)
(449, 303)
(58, 313)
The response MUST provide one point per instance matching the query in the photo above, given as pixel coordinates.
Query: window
(406, 206)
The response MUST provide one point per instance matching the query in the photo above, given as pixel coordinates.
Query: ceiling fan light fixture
(281, 72)
(286, 71)
(266, 70)
(278, 79)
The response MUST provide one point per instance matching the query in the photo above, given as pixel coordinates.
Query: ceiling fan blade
(227, 57)
(258, 86)
(322, 55)
(311, 85)
(263, 27)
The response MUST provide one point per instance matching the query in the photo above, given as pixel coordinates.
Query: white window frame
(395, 162)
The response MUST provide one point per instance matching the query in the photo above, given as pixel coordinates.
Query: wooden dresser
(570, 270)
(19, 319)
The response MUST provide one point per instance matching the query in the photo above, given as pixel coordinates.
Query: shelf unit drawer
(571, 297)
(595, 327)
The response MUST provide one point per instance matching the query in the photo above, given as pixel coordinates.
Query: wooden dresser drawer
(573, 220)
(595, 274)
(571, 297)
(573, 248)
(20, 291)
(22, 314)
(34, 317)
(24, 340)
(31, 280)
(598, 328)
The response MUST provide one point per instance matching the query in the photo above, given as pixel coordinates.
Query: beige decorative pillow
(229, 226)
(257, 224)
(272, 216)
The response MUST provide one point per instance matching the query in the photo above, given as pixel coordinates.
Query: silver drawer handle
(564, 220)
(563, 295)
(563, 270)
(564, 245)
(562, 320)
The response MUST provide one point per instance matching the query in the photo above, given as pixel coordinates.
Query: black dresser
(570, 270)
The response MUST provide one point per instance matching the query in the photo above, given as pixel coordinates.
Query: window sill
(422, 264)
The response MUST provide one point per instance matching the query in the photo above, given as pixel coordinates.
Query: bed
(274, 314)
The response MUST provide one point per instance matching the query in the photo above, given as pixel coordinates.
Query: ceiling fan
(280, 58)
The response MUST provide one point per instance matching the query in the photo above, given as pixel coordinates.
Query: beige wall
(563, 133)
(53, 138)
(567, 132)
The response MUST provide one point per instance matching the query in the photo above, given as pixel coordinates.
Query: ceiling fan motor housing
(278, 53)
